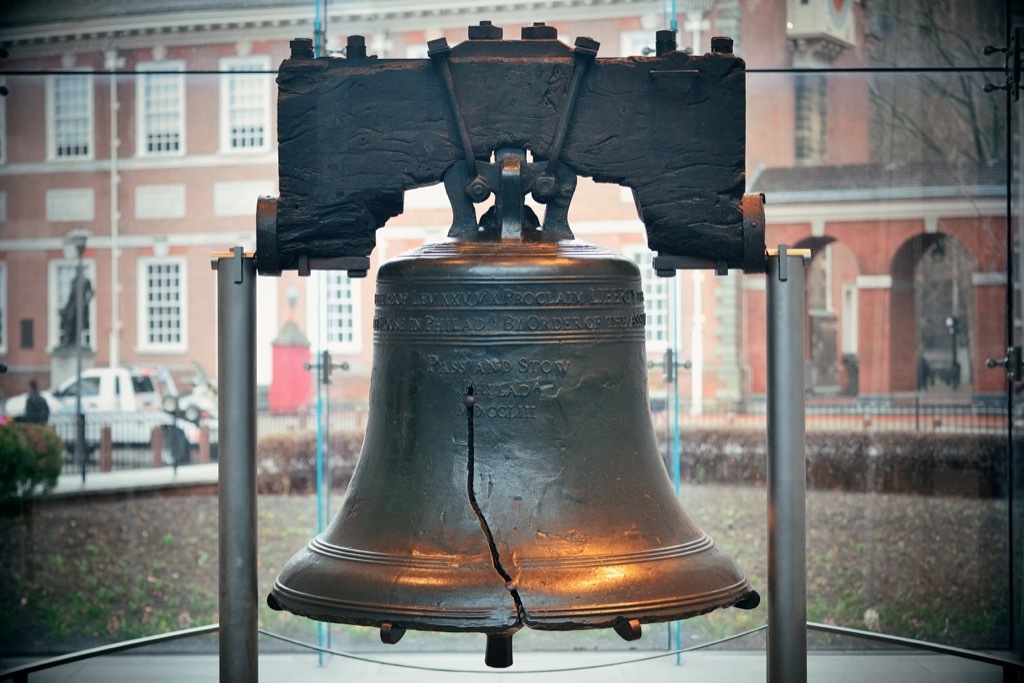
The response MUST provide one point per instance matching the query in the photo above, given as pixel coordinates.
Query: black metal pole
(787, 533)
(236, 362)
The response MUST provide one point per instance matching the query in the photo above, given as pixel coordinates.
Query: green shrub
(286, 463)
(31, 456)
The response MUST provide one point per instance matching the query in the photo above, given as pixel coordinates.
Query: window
(162, 296)
(656, 300)
(90, 387)
(69, 109)
(143, 384)
(61, 295)
(636, 43)
(341, 314)
(161, 106)
(245, 105)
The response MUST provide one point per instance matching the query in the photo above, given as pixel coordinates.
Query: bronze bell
(510, 474)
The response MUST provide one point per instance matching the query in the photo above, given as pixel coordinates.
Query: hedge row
(923, 463)
(286, 463)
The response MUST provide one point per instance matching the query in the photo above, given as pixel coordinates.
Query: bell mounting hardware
(356, 133)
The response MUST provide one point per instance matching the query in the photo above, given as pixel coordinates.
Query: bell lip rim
(571, 621)
(562, 618)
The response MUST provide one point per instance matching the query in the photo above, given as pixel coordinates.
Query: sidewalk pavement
(145, 479)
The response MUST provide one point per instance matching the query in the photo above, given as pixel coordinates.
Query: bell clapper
(498, 654)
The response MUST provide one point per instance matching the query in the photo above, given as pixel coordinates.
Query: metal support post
(787, 533)
(79, 319)
(236, 363)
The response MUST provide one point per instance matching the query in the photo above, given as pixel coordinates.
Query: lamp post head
(78, 238)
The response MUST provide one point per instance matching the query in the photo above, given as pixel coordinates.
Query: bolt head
(544, 188)
(721, 45)
(438, 48)
(539, 31)
(485, 31)
(586, 46)
(478, 190)
(301, 48)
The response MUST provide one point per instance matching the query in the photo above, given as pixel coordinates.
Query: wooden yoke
(356, 133)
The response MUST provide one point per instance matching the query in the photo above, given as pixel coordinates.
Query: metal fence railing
(133, 439)
(910, 412)
(118, 441)
(340, 420)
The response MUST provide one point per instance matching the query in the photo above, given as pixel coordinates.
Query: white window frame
(144, 109)
(5, 332)
(632, 43)
(260, 100)
(328, 285)
(144, 343)
(60, 277)
(52, 121)
(657, 300)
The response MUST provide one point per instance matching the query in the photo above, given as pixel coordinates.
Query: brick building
(156, 132)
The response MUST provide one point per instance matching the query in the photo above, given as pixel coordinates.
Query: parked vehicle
(198, 404)
(128, 400)
(105, 389)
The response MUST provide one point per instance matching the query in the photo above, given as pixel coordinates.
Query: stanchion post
(236, 364)
(787, 516)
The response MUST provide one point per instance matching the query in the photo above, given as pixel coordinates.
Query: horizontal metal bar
(754, 70)
(400, 665)
(984, 657)
(20, 673)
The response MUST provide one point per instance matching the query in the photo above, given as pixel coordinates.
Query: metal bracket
(1012, 66)
(546, 186)
(326, 366)
(439, 52)
(783, 252)
(1013, 362)
(237, 256)
(509, 201)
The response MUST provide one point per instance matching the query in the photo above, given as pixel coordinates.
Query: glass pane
(1015, 258)
(935, 34)
(916, 34)
(895, 181)
(904, 212)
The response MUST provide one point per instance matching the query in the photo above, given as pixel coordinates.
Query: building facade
(154, 128)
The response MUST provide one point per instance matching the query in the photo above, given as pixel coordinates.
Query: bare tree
(935, 115)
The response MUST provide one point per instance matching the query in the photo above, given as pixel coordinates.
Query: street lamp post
(78, 239)
(953, 325)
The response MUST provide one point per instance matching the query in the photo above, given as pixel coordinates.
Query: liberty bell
(510, 474)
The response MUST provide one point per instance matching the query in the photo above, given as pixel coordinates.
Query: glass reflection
(895, 181)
